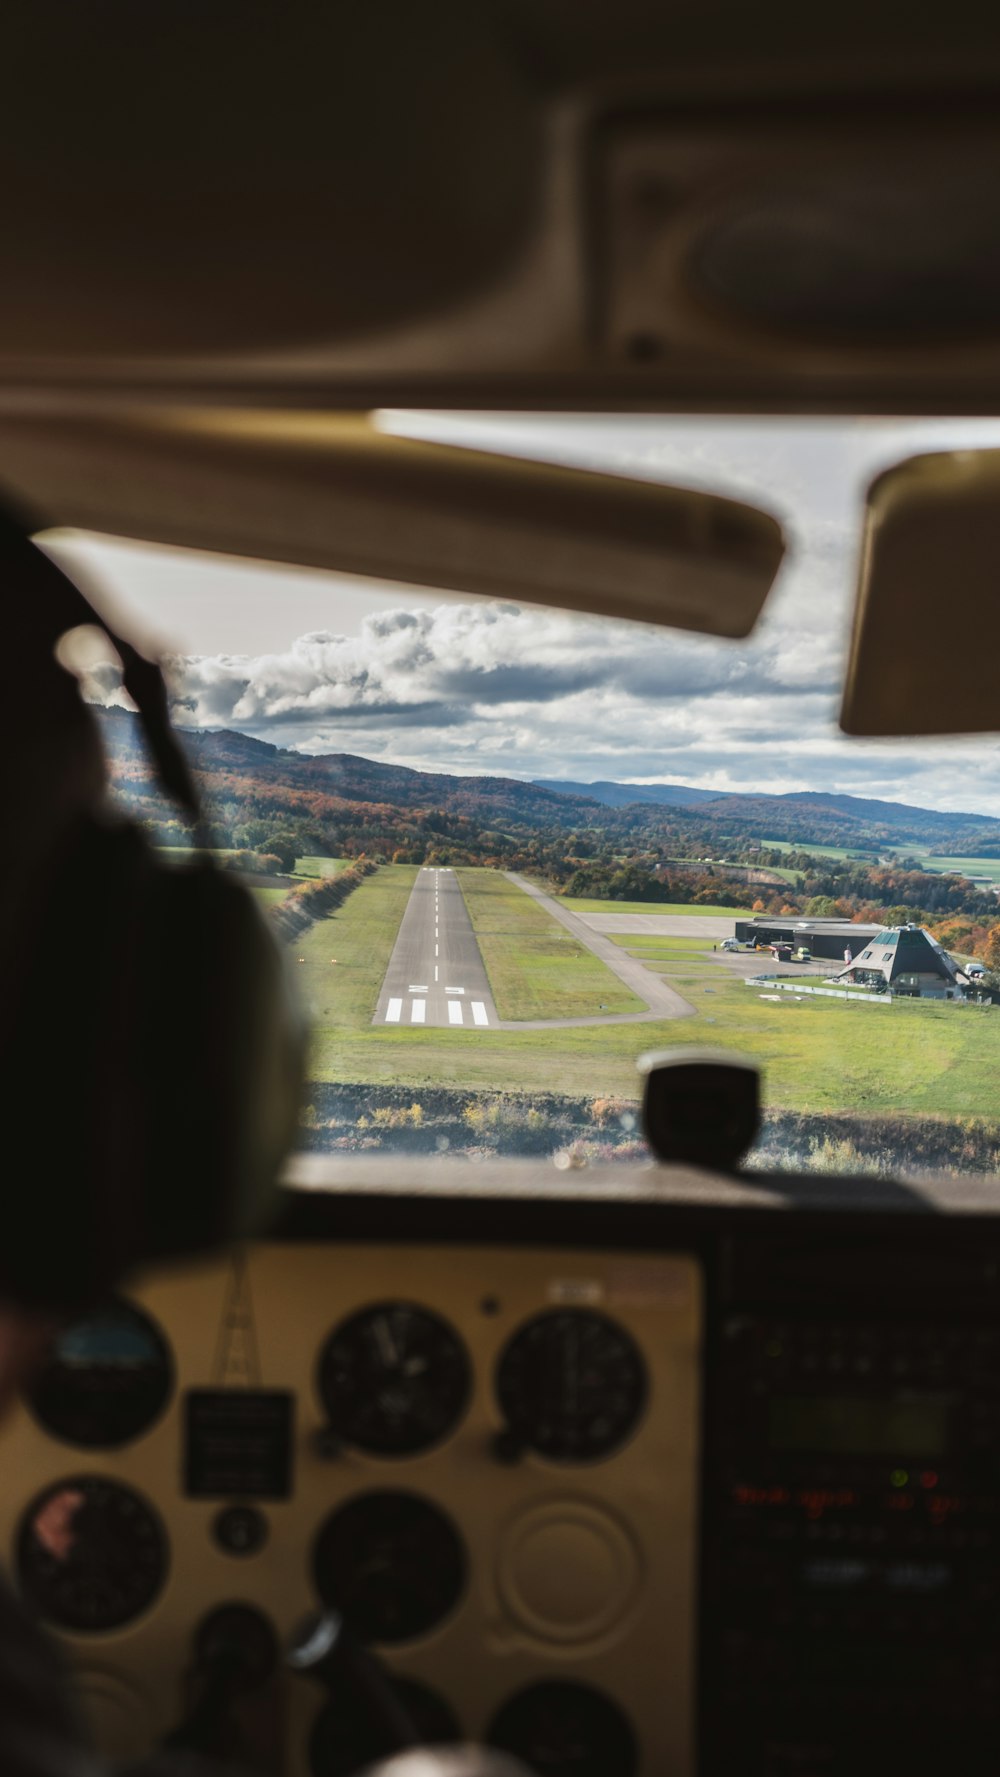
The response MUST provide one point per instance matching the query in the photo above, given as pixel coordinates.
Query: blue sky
(322, 663)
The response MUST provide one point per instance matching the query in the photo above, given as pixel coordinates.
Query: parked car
(802, 955)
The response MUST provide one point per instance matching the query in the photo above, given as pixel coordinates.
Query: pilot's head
(150, 1051)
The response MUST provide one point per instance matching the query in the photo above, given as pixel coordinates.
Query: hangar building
(824, 937)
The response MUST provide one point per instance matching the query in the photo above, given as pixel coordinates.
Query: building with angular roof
(909, 961)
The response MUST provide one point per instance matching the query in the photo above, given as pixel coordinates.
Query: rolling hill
(227, 758)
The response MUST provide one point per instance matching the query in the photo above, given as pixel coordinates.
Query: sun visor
(927, 622)
(336, 492)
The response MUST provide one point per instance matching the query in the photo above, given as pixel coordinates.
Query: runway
(435, 975)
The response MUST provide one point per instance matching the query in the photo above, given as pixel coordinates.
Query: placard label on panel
(576, 1291)
(238, 1443)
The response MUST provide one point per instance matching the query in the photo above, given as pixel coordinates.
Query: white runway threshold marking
(418, 1011)
(454, 1012)
(392, 1011)
(479, 1012)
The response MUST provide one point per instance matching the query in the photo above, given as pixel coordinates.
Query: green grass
(270, 897)
(536, 968)
(313, 867)
(654, 944)
(857, 852)
(960, 866)
(345, 955)
(926, 860)
(586, 905)
(177, 852)
(909, 1056)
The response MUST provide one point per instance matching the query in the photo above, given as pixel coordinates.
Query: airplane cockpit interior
(500, 942)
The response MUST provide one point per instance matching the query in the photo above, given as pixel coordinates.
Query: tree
(821, 907)
(284, 848)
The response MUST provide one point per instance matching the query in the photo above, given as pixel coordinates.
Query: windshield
(509, 850)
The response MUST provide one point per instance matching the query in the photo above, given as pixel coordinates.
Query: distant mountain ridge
(803, 816)
(744, 805)
(622, 795)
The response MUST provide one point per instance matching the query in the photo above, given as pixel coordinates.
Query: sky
(320, 662)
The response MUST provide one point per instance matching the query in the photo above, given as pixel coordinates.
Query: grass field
(586, 905)
(536, 968)
(909, 1056)
(866, 852)
(344, 955)
(960, 866)
(313, 867)
(306, 870)
(927, 861)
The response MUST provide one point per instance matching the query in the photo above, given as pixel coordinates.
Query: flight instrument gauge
(394, 1379)
(563, 1729)
(108, 1379)
(91, 1554)
(571, 1385)
(392, 1564)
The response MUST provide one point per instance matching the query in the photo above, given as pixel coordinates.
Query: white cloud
(495, 688)
(477, 687)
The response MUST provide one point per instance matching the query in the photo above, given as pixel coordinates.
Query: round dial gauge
(350, 1735)
(394, 1379)
(91, 1554)
(571, 1385)
(392, 1564)
(108, 1379)
(561, 1729)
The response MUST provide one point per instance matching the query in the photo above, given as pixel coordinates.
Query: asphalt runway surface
(435, 975)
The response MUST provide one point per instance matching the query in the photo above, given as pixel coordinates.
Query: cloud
(478, 687)
(525, 692)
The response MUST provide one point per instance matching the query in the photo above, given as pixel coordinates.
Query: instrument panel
(485, 1459)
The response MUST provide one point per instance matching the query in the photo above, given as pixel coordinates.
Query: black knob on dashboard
(324, 1649)
(700, 1107)
(235, 1653)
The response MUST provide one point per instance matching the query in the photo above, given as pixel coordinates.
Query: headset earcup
(226, 1047)
(155, 1057)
